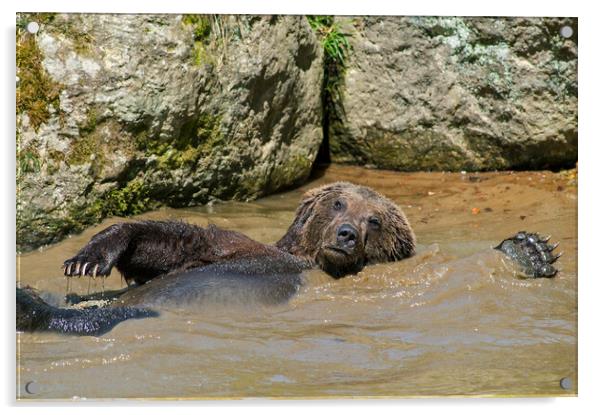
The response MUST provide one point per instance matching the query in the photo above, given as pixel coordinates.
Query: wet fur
(315, 222)
(172, 263)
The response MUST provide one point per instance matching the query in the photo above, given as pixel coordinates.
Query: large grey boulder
(117, 114)
(427, 93)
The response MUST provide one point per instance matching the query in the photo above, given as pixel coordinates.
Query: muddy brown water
(455, 319)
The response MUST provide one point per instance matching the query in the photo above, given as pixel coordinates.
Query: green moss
(208, 133)
(82, 40)
(132, 199)
(201, 32)
(293, 172)
(36, 90)
(201, 25)
(201, 55)
(41, 18)
(70, 28)
(290, 173)
(82, 149)
(89, 141)
(197, 138)
(91, 121)
(211, 35)
(98, 140)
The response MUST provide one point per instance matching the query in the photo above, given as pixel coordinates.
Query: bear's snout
(347, 236)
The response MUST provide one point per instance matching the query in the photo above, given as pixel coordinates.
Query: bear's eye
(338, 205)
(374, 222)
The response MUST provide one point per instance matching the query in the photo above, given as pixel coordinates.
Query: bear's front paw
(87, 264)
(532, 252)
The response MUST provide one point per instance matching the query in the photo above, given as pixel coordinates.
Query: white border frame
(589, 218)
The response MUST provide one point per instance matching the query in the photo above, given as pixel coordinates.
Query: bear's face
(342, 227)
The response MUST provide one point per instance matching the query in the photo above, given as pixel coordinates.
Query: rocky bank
(117, 114)
(452, 93)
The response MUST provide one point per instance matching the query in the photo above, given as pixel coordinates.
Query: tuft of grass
(28, 161)
(333, 40)
(336, 53)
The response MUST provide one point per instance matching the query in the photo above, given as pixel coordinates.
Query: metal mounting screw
(566, 31)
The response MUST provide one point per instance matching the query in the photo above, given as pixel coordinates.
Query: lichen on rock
(458, 93)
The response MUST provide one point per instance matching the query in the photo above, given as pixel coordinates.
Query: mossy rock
(456, 93)
(37, 92)
(140, 111)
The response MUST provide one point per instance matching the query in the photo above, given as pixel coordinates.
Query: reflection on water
(452, 320)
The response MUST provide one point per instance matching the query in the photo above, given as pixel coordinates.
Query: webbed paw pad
(532, 252)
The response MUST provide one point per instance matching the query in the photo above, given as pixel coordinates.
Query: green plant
(28, 161)
(336, 52)
(205, 31)
(132, 199)
(212, 33)
(333, 40)
(201, 25)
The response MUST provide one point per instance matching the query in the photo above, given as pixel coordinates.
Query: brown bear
(339, 227)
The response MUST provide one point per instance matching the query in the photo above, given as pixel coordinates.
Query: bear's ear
(291, 241)
(401, 239)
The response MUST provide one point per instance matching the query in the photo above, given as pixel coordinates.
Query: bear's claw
(532, 252)
(79, 265)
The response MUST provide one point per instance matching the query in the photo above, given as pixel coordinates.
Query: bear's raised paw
(532, 252)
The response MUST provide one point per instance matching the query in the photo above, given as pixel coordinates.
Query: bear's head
(342, 227)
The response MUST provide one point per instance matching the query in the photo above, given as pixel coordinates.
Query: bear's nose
(347, 235)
